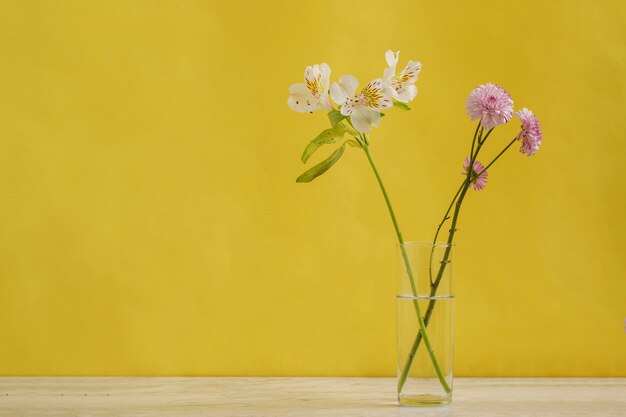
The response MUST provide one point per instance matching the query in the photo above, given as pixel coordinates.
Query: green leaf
(352, 143)
(332, 135)
(401, 105)
(335, 117)
(312, 173)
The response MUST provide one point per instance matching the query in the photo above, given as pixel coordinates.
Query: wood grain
(302, 397)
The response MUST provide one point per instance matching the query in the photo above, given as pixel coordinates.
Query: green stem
(474, 139)
(496, 158)
(435, 285)
(409, 271)
(433, 289)
(446, 215)
(485, 138)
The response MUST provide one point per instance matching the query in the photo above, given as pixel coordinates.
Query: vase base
(424, 400)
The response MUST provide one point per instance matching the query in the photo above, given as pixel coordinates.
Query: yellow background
(150, 222)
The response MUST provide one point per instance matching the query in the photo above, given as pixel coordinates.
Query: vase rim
(437, 244)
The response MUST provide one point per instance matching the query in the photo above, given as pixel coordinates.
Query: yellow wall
(150, 222)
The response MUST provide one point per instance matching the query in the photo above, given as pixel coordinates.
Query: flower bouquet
(425, 280)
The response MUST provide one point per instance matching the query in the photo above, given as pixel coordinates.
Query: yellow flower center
(370, 96)
(314, 87)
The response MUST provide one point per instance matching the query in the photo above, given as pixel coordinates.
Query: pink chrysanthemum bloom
(530, 135)
(480, 181)
(491, 104)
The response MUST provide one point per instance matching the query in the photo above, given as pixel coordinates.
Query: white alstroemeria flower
(403, 85)
(313, 93)
(363, 108)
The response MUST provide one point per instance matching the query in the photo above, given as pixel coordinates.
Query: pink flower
(478, 182)
(491, 104)
(530, 135)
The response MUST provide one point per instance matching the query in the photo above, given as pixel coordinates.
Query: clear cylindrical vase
(425, 306)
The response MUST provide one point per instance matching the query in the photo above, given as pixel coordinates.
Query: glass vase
(425, 303)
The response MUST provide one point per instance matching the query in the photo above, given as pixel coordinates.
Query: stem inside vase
(416, 306)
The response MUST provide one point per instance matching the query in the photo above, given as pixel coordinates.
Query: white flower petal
(405, 92)
(392, 62)
(325, 75)
(344, 89)
(318, 105)
(385, 101)
(388, 75)
(364, 118)
(301, 99)
(311, 73)
(375, 85)
(295, 104)
(325, 103)
(346, 108)
(338, 94)
(410, 72)
(324, 84)
(349, 83)
(298, 88)
(374, 117)
(392, 59)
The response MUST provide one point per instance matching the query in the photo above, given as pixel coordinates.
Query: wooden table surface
(303, 397)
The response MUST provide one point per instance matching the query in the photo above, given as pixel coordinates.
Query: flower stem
(435, 284)
(446, 216)
(496, 158)
(409, 271)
